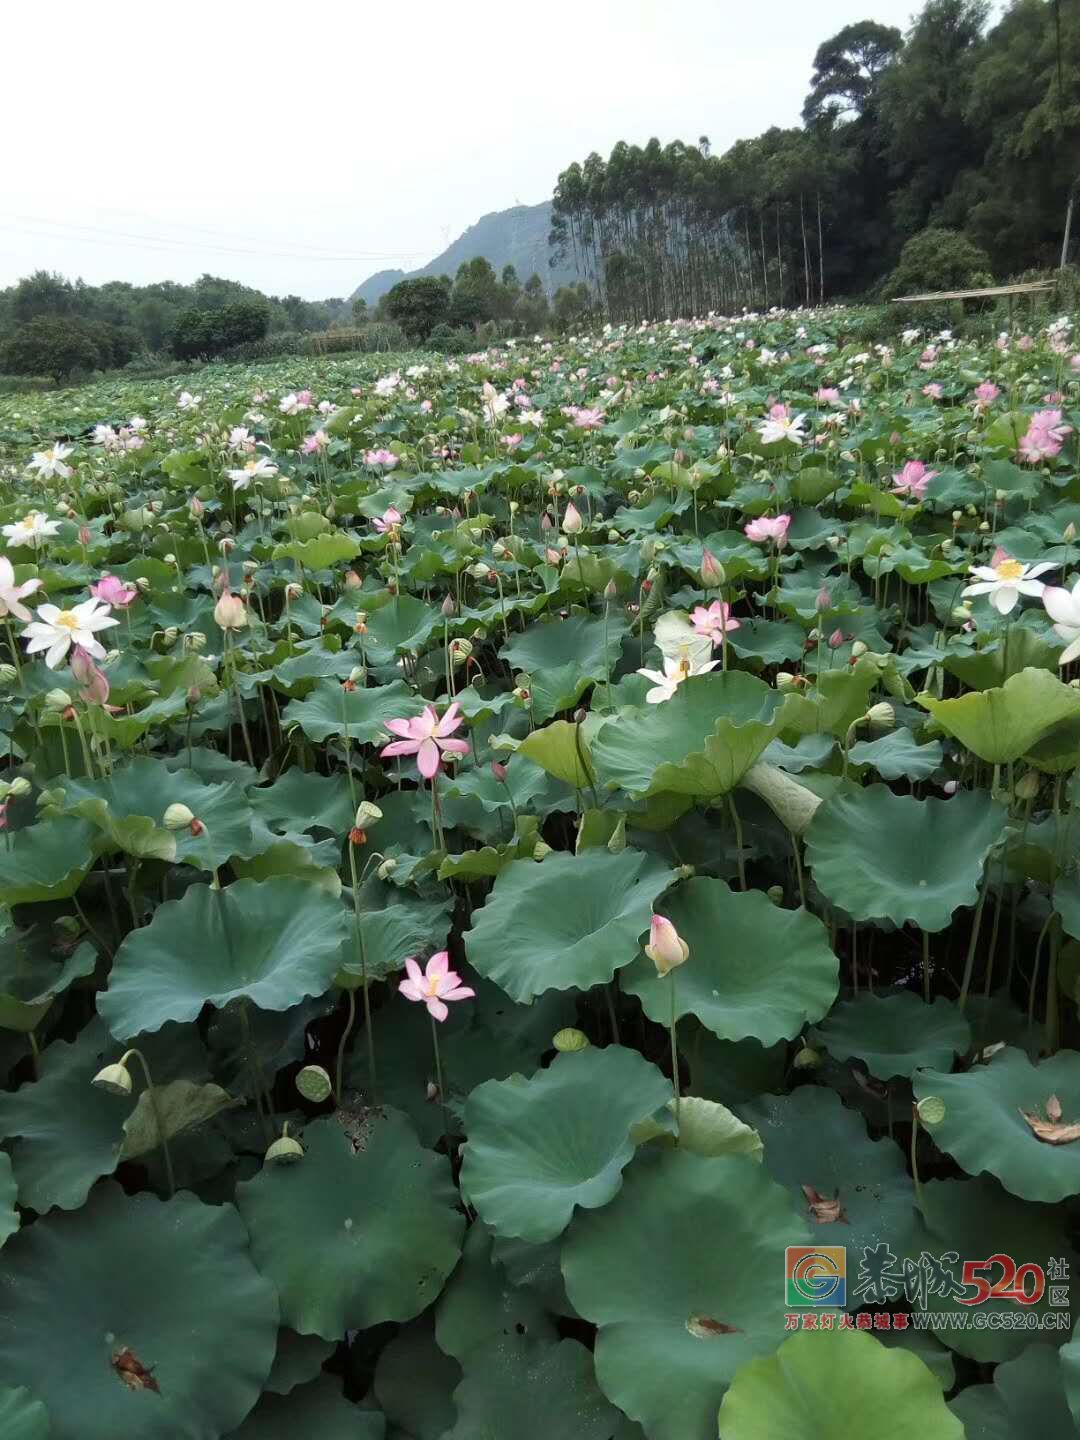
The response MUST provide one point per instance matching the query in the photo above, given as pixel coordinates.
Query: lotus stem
(159, 1119)
(675, 1062)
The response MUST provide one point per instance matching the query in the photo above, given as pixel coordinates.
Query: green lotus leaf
(317, 1409)
(539, 1148)
(985, 668)
(46, 861)
(21, 1416)
(297, 675)
(402, 624)
(776, 642)
(1028, 1397)
(414, 1383)
(321, 552)
(167, 1287)
(1070, 1373)
(272, 943)
(330, 710)
(9, 1190)
(931, 1352)
(300, 800)
(405, 926)
(480, 1304)
(841, 1383)
(354, 1239)
(671, 1273)
(701, 742)
(534, 1391)
(1001, 724)
(755, 970)
(703, 1127)
(977, 1219)
(571, 921)
(589, 644)
(731, 1071)
(984, 1128)
(173, 1108)
(880, 856)
(560, 748)
(34, 969)
(896, 1034)
(897, 756)
(813, 1140)
(298, 1359)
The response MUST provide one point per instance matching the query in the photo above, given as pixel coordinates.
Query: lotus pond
(539, 893)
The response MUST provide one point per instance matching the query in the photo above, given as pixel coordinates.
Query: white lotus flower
(31, 529)
(11, 595)
(678, 640)
(1004, 580)
(187, 401)
(51, 462)
(55, 631)
(675, 671)
(261, 469)
(1063, 607)
(782, 427)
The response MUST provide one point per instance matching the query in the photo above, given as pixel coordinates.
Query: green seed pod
(569, 1040)
(314, 1084)
(931, 1109)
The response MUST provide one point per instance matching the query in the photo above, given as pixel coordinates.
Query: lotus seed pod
(367, 815)
(881, 716)
(807, 1059)
(19, 786)
(1027, 787)
(776, 894)
(293, 590)
(58, 699)
(569, 1040)
(170, 635)
(314, 1084)
(931, 1109)
(8, 673)
(284, 1151)
(387, 868)
(784, 680)
(142, 583)
(178, 817)
(115, 1078)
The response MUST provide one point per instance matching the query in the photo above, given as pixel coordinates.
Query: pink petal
(402, 747)
(410, 991)
(437, 1009)
(428, 758)
(450, 721)
(400, 727)
(415, 974)
(462, 992)
(439, 964)
(459, 747)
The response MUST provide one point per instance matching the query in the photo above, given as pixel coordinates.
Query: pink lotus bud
(84, 535)
(666, 948)
(824, 599)
(611, 590)
(352, 580)
(712, 572)
(448, 606)
(552, 557)
(197, 508)
(836, 639)
(95, 686)
(572, 522)
(498, 769)
(230, 612)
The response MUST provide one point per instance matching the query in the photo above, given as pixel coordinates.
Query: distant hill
(517, 237)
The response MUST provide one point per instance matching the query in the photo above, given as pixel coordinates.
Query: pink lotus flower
(913, 480)
(1045, 436)
(512, 441)
(587, 419)
(434, 985)
(316, 444)
(986, 393)
(94, 682)
(386, 458)
(713, 620)
(426, 737)
(388, 520)
(113, 591)
(828, 395)
(933, 390)
(766, 527)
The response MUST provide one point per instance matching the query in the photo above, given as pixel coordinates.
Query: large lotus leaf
(403, 624)
(354, 1239)
(755, 970)
(145, 788)
(931, 1352)
(672, 1273)
(274, 943)
(9, 1217)
(976, 1219)
(173, 1108)
(1002, 724)
(534, 1391)
(35, 966)
(298, 1359)
(843, 1384)
(537, 1148)
(1026, 1398)
(561, 750)
(316, 1410)
(589, 644)
(701, 742)
(330, 710)
(896, 1034)
(299, 800)
(984, 1130)
(705, 1127)
(414, 1383)
(569, 922)
(880, 856)
(131, 1284)
(812, 1140)
(1070, 1373)
(388, 936)
(897, 756)
(21, 1416)
(46, 861)
(480, 1304)
(732, 1071)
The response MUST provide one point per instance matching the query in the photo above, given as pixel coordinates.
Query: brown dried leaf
(704, 1327)
(132, 1371)
(823, 1210)
(1052, 1130)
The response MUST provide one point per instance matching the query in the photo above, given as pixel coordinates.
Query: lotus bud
(68, 925)
(284, 1150)
(196, 507)
(666, 948)
(957, 516)
(115, 1079)
(193, 696)
(230, 612)
(498, 769)
(951, 787)
(58, 700)
(881, 716)
(84, 535)
(611, 591)
(177, 817)
(858, 649)
(8, 673)
(570, 1040)
(293, 590)
(572, 522)
(387, 868)
(713, 574)
(824, 599)
(984, 525)
(314, 1084)
(807, 1059)
(836, 639)
(448, 607)
(358, 674)
(1027, 787)
(776, 894)
(352, 580)
(20, 786)
(1070, 533)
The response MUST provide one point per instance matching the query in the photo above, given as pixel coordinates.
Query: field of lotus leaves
(508, 863)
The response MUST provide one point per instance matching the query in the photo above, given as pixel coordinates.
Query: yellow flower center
(431, 987)
(1009, 570)
(28, 522)
(68, 619)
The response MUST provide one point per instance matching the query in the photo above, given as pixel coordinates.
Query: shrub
(939, 259)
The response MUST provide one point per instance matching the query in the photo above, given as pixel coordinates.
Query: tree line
(962, 137)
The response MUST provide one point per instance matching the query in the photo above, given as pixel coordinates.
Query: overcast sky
(299, 147)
